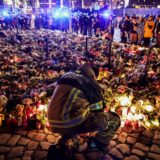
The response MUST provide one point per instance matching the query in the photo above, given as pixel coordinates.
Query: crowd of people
(140, 30)
(134, 29)
(83, 23)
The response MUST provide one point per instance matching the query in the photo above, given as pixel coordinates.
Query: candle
(138, 118)
(14, 122)
(135, 124)
(124, 112)
(38, 124)
(2, 117)
(47, 124)
(147, 123)
(25, 122)
(125, 101)
(130, 116)
(149, 108)
(106, 73)
(156, 122)
(101, 74)
(128, 123)
(19, 121)
(133, 109)
(122, 123)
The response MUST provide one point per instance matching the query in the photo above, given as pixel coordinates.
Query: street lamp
(62, 4)
(111, 5)
(70, 16)
(82, 3)
(125, 4)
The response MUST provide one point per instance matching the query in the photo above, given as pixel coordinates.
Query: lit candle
(1, 119)
(122, 123)
(19, 121)
(124, 112)
(147, 123)
(149, 108)
(130, 116)
(135, 124)
(47, 124)
(129, 119)
(140, 102)
(138, 118)
(128, 123)
(38, 124)
(133, 109)
(125, 101)
(156, 122)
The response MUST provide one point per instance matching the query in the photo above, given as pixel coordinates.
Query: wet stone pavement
(127, 144)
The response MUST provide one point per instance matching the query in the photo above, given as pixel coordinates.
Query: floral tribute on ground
(129, 77)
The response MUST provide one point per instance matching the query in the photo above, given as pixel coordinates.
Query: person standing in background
(148, 31)
(157, 32)
(140, 29)
(124, 28)
(133, 31)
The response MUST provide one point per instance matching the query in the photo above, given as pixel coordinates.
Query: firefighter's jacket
(70, 106)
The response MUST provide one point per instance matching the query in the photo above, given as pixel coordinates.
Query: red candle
(135, 124)
(128, 123)
(14, 122)
(8, 122)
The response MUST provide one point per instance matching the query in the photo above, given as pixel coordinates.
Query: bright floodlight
(126, 3)
(106, 14)
(66, 14)
(57, 14)
(60, 13)
(5, 13)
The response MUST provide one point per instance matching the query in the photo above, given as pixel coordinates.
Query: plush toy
(3, 103)
(19, 113)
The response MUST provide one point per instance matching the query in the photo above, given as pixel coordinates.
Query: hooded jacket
(148, 29)
(76, 95)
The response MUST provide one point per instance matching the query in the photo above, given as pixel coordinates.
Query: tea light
(2, 117)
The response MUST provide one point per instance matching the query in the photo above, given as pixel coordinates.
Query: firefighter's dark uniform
(77, 107)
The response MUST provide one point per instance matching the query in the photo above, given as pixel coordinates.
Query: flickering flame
(148, 124)
(122, 123)
(124, 113)
(125, 101)
(123, 75)
(15, 58)
(130, 116)
(156, 123)
(149, 108)
(140, 116)
(31, 114)
(136, 117)
(47, 124)
(133, 109)
(42, 107)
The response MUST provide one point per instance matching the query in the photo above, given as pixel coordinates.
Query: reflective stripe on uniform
(69, 103)
(96, 106)
(70, 123)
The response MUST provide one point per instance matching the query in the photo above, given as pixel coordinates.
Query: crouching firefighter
(77, 107)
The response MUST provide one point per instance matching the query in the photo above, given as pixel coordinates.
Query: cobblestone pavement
(127, 144)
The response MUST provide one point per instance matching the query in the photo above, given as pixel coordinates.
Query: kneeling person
(77, 107)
